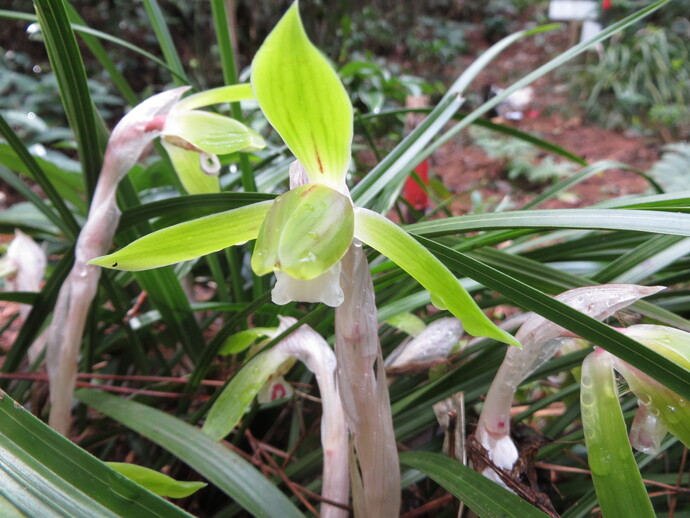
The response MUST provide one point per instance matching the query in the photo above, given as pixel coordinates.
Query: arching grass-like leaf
(44, 474)
(484, 497)
(617, 478)
(392, 241)
(227, 470)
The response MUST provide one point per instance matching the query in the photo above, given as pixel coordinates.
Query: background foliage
(153, 337)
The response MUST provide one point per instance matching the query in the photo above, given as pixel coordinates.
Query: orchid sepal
(303, 98)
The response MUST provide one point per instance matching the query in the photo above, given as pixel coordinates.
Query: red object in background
(605, 4)
(413, 192)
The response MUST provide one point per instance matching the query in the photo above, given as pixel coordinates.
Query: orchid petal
(135, 131)
(189, 240)
(392, 241)
(647, 431)
(306, 233)
(188, 168)
(670, 408)
(222, 94)
(324, 288)
(210, 132)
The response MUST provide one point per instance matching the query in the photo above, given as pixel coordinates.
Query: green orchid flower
(193, 138)
(303, 234)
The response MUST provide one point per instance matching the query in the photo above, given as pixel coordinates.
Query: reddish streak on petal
(155, 124)
(318, 157)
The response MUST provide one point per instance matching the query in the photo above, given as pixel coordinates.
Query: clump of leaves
(641, 82)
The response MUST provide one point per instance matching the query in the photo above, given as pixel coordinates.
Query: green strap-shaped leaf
(304, 100)
(484, 497)
(44, 474)
(155, 481)
(602, 219)
(68, 66)
(396, 244)
(219, 465)
(616, 477)
(238, 395)
(189, 240)
(240, 341)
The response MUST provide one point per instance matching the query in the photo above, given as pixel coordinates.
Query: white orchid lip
(325, 288)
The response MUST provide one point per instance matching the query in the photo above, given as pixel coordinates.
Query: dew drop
(587, 398)
(313, 235)
(586, 381)
(654, 410)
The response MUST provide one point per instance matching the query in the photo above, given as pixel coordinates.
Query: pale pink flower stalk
(127, 142)
(310, 348)
(540, 339)
(364, 392)
(265, 368)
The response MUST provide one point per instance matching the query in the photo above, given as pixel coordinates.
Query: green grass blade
(44, 474)
(165, 41)
(599, 219)
(541, 71)
(657, 366)
(103, 58)
(64, 219)
(68, 66)
(575, 179)
(215, 462)
(484, 497)
(406, 155)
(616, 477)
(621, 269)
(188, 207)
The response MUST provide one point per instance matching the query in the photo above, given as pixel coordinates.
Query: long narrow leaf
(665, 371)
(220, 465)
(44, 474)
(69, 70)
(165, 41)
(601, 219)
(484, 497)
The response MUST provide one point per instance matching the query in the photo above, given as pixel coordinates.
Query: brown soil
(464, 167)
